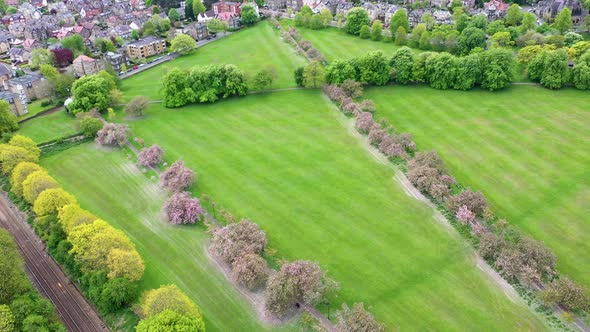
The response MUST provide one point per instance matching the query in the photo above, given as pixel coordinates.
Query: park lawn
(35, 108)
(251, 49)
(48, 127)
(525, 148)
(336, 44)
(111, 186)
(286, 161)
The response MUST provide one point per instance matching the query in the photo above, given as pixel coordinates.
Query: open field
(48, 127)
(335, 44)
(172, 254)
(525, 148)
(286, 161)
(252, 50)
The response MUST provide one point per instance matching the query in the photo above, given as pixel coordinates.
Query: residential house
(548, 9)
(17, 30)
(343, 8)
(197, 30)
(122, 31)
(19, 55)
(226, 7)
(17, 107)
(4, 43)
(84, 65)
(495, 9)
(146, 47)
(13, 18)
(372, 9)
(6, 73)
(415, 16)
(234, 23)
(277, 4)
(389, 14)
(442, 17)
(206, 16)
(116, 60)
(30, 44)
(296, 5)
(37, 30)
(32, 86)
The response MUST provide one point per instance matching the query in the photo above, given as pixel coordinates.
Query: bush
(250, 271)
(90, 126)
(473, 201)
(566, 292)
(45, 103)
(113, 134)
(72, 215)
(352, 88)
(177, 177)
(182, 209)
(137, 105)
(164, 298)
(356, 320)
(238, 239)
(365, 122)
(150, 157)
(168, 320)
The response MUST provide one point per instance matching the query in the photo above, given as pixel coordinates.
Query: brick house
(17, 107)
(227, 7)
(84, 65)
(34, 87)
(197, 30)
(146, 47)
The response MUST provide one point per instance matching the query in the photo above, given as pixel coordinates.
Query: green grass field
(286, 161)
(108, 184)
(48, 127)
(525, 148)
(251, 49)
(335, 44)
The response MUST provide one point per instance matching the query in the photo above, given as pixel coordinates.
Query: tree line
(519, 259)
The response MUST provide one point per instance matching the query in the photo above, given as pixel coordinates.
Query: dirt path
(47, 277)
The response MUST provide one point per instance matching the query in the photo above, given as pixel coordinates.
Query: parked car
(135, 67)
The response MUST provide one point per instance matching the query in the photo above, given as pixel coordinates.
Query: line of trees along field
(100, 257)
(522, 261)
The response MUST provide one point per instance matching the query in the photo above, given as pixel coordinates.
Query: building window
(11, 101)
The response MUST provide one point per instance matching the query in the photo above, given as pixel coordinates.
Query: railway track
(73, 309)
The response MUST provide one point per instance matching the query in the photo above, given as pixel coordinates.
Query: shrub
(238, 239)
(167, 297)
(490, 246)
(473, 201)
(182, 209)
(464, 215)
(356, 320)
(27, 144)
(365, 122)
(376, 134)
(390, 148)
(149, 157)
(20, 173)
(168, 320)
(250, 271)
(177, 177)
(112, 134)
(566, 292)
(296, 282)
(367, 105)
(352, 88)
(36, 183)
(137, 106)
(90, 126)
(528, 261)
(51, 200)
(123, 263)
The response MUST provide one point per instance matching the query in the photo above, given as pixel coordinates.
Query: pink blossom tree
(376, 134)
(112, 134)
(177, 177)
(238, 239)
(390, 148)
(250, 271)
(181, 208)
(151, 156)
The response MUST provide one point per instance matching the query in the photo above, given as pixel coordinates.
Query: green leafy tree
(356, 18)
(501, 39)
(581, 72)
(8, 123)
(313, 75)
(416, 34)
(556, 71)
(461, 22)
(169, 320)
(74, 43)
(90, 92)
(377, 30)
(441, 70)
(365, 32)
(479, 21)
(14, 281)
(424, 43)
(41, 56)
(428, 20)
(183, 44)
(563, 20)
(514, 15)
(173, 15)
(249, 15)
(215, 26)
(134, 35)
(198, 7)
(401, 36)
(469, 39)
(529, 22)
(326, 16)
(51, 200)
(164, 298)
(498, 67)
(89, 126)
(11, 10)
(104, 45)
(264, 78)
(316, 22)
(468, 72)
(188, 9)
(402, 64)
(495, 26)
(399, 19)
(6, 319)
(3, 7)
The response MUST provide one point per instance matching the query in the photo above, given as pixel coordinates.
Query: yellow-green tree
(36, 183)
(167, 298)
(72, 215)
(20, 173)
(51, 200)
(125, 263)
(25, 143)
(10, 156)
(92, 243)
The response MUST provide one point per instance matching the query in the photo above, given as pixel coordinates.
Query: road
(46, 275)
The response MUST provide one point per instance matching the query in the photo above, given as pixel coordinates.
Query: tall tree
(183, 44)
(514, 15)
(188, 9)
(356, 18)
(563, 21)
(529, 22)
(8, 122)
(313, 75)
(173, 15)
(198, 8)
(248, 15)
(377, 30)
(399, 19)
